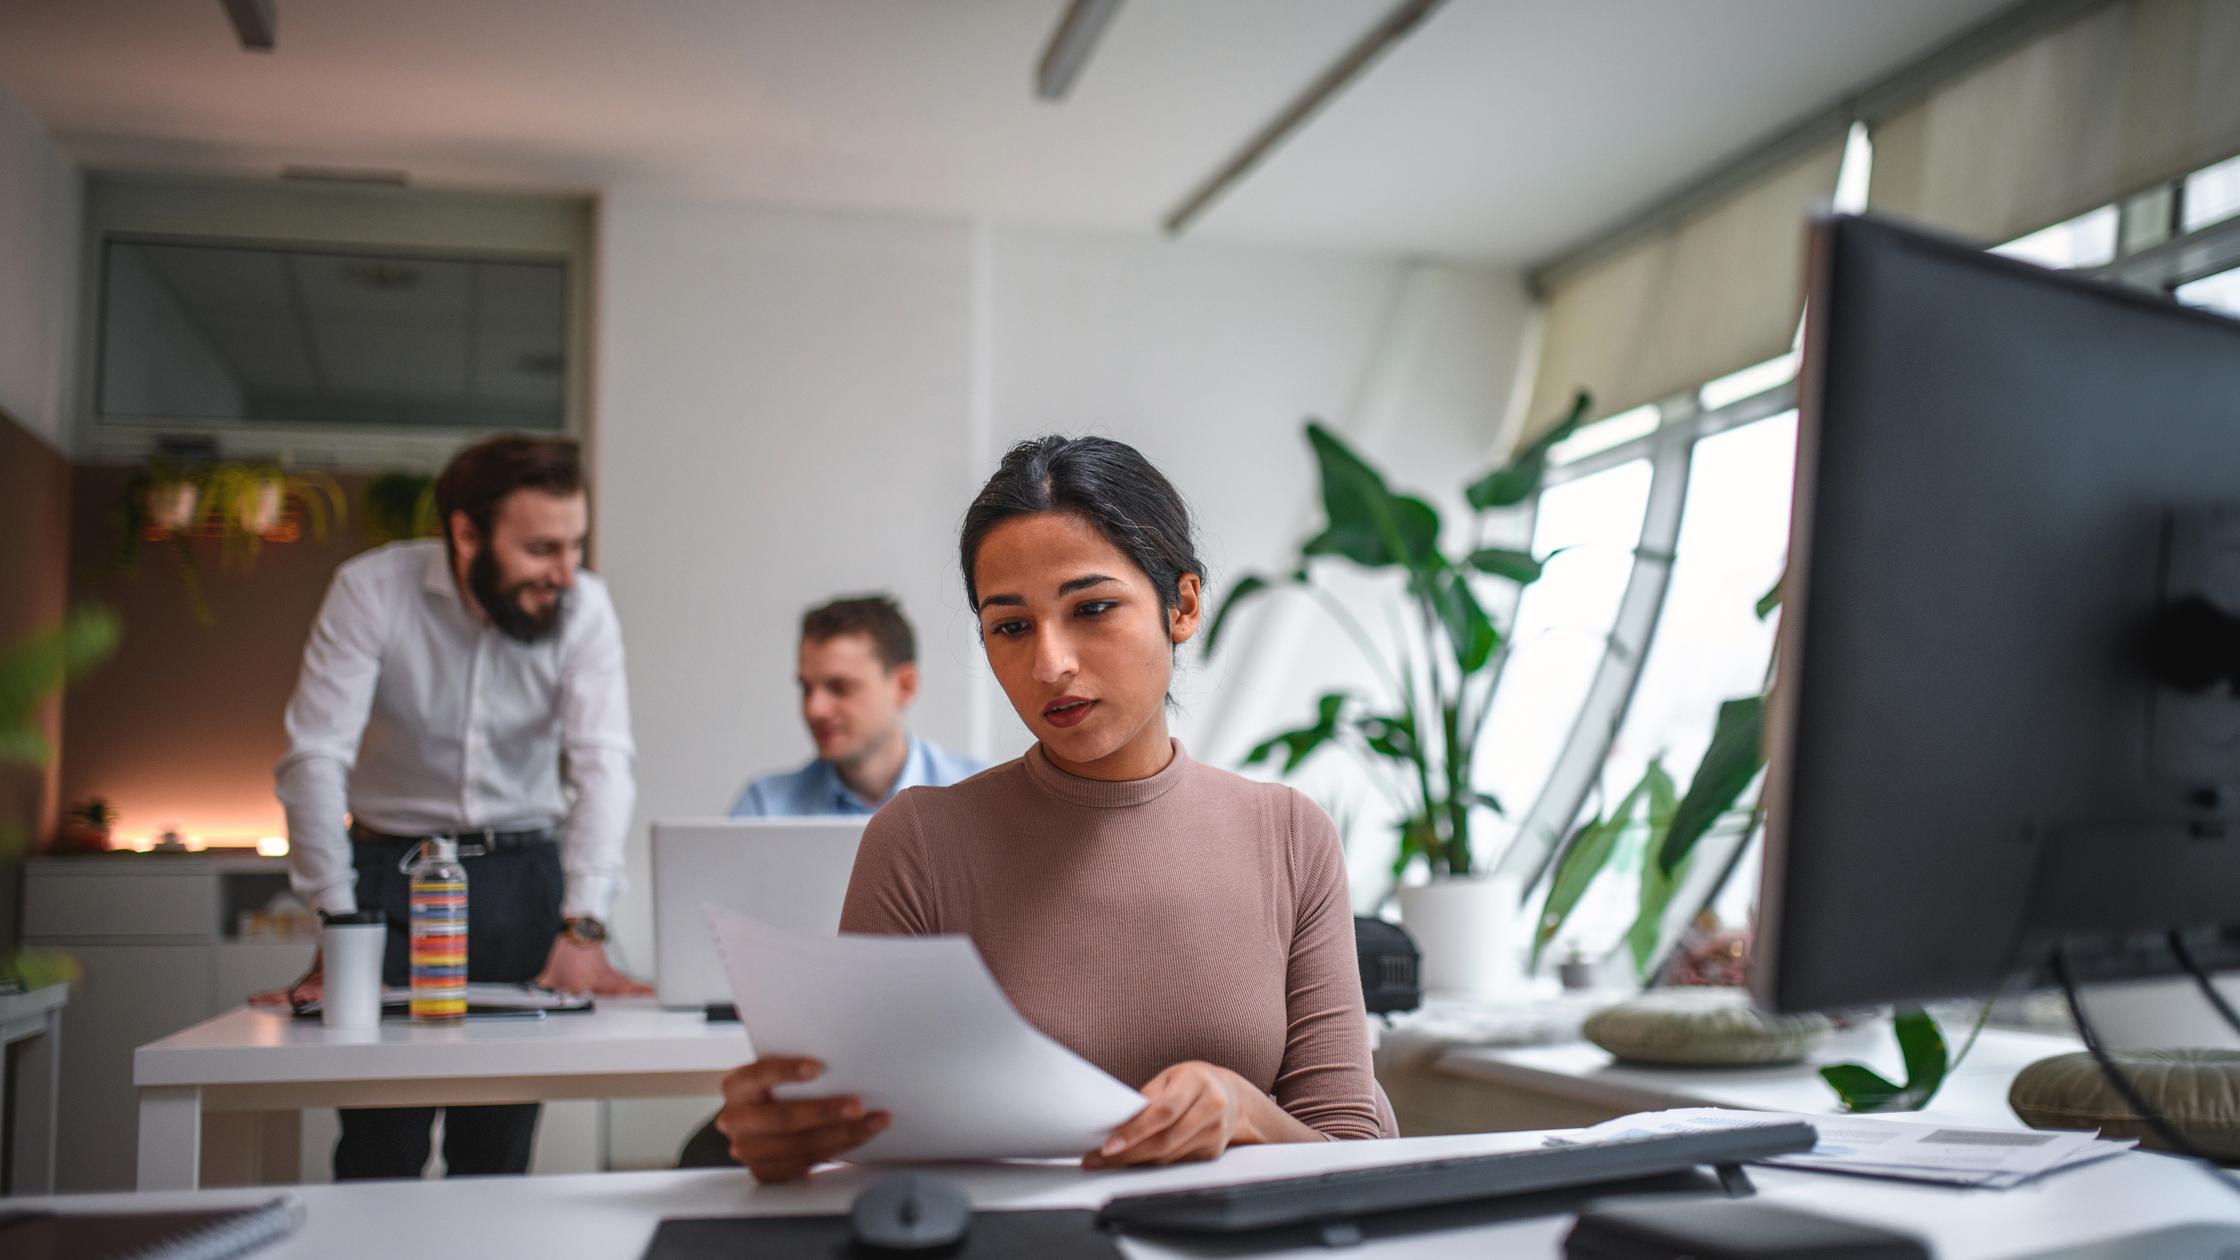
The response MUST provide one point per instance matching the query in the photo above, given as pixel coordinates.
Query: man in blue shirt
(858, 675)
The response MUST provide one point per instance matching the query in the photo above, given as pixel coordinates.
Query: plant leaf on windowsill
(1921, 1043)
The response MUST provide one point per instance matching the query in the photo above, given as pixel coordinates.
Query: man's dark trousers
(513, 914)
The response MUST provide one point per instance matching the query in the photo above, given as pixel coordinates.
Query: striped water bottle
(439, 933)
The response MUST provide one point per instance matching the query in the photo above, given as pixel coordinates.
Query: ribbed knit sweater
(1196, 914)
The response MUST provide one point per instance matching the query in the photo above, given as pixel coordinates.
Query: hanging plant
(398, 505)
(241, 505)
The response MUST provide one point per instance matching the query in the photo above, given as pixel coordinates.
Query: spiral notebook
(211, 1234)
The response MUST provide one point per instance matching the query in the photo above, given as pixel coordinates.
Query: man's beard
(503, 604)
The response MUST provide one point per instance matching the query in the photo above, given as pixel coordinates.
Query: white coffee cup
(355, 944)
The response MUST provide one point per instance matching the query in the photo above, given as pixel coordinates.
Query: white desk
(248, 1071)
(32, 1022)
(612, 1216)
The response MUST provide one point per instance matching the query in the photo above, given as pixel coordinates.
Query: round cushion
(1703, 1026)
(2197, 1091)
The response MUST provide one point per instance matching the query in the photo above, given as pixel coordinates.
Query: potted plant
(242, 505)
(1417, 736)
(86, 827)
(398, 505)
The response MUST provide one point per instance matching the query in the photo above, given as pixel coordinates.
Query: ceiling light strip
(1070, 45)
(1387, 32)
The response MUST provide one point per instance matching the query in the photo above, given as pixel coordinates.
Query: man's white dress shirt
(413, 717)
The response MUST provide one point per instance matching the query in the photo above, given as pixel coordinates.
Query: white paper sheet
(916, 1027)
(1876, 1146)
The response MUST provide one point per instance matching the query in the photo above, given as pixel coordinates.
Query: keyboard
(1356, 1192)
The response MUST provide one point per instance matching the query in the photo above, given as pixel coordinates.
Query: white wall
(41, 193)
(793, 405)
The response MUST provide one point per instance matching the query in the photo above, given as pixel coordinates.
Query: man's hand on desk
(574, 967)
(309, 989)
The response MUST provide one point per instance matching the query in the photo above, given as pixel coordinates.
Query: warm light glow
(195, 844)
(138, 844)
(273, 846)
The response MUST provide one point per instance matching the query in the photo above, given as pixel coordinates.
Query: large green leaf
(1391, 735)
(1468, 627)
(1521, 567)
(36, 667)
(1583, 858)
(1771, 599)
(1656, 886)
(1368, 524)
(1301, 743)
(1246, 587)
(1520, 478)
(1418, 837)
(1927, 1061)
(1736, 755)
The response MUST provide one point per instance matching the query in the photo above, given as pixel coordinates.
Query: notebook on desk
(791, 873)
(211, 1234)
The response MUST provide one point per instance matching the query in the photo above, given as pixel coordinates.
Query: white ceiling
(1501, 130)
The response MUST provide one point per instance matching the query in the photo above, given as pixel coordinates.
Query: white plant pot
(171, 505)
(261, 513)
(1471, 932)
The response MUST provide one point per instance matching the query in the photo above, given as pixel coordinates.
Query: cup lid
(356, 918)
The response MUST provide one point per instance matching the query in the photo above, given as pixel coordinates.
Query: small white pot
(262, 511)
(1471, 931)
(171, 505)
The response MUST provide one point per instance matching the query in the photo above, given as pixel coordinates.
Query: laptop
(791, 873)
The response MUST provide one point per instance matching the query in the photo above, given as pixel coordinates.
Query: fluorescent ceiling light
(1394, 26)
(1070, 45)
(254, 21)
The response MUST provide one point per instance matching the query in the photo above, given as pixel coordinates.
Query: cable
(2131, 1096)
(2193, 968)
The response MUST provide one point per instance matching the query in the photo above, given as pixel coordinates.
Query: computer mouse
(910, 1212)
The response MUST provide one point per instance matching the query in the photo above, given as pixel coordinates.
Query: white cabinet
(132, 994)
(154, 933)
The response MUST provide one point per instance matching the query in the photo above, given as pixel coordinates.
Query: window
(2089, 240)
(199, 331)
(1562, 628)
(1710, 646)
(2220, 292)
(2211, 195)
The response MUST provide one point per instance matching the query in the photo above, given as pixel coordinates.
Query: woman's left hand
(1197, 1111)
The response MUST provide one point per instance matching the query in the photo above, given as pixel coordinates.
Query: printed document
(917, 1027)
(1877, 1146)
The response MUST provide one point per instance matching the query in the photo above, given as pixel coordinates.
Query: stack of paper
(917, 1027)
(1875, 1146)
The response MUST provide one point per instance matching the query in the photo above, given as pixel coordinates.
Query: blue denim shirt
(817, 788)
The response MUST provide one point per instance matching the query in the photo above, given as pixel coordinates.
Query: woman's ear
(1182, 619)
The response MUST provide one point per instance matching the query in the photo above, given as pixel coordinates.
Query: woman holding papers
(1184, 928)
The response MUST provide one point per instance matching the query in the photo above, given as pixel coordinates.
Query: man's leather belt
(483, 839)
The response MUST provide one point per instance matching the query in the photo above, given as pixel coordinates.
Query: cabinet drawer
(120, 905)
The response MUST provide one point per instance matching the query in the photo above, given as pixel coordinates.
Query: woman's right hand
(782, 1139)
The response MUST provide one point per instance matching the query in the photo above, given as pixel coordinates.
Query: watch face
(587, 930)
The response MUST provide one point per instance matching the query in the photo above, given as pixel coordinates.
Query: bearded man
(450, 688)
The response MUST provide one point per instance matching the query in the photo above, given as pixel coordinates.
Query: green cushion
(2198, 1091)
(1703, 1026)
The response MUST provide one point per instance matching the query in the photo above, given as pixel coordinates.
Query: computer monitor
(2005, 719)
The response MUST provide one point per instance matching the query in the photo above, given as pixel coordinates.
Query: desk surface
(613, 1215)
(623, 1035)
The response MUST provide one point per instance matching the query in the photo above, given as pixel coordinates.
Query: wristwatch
(582, 929)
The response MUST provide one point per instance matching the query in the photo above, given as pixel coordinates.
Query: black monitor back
(2004, 476)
